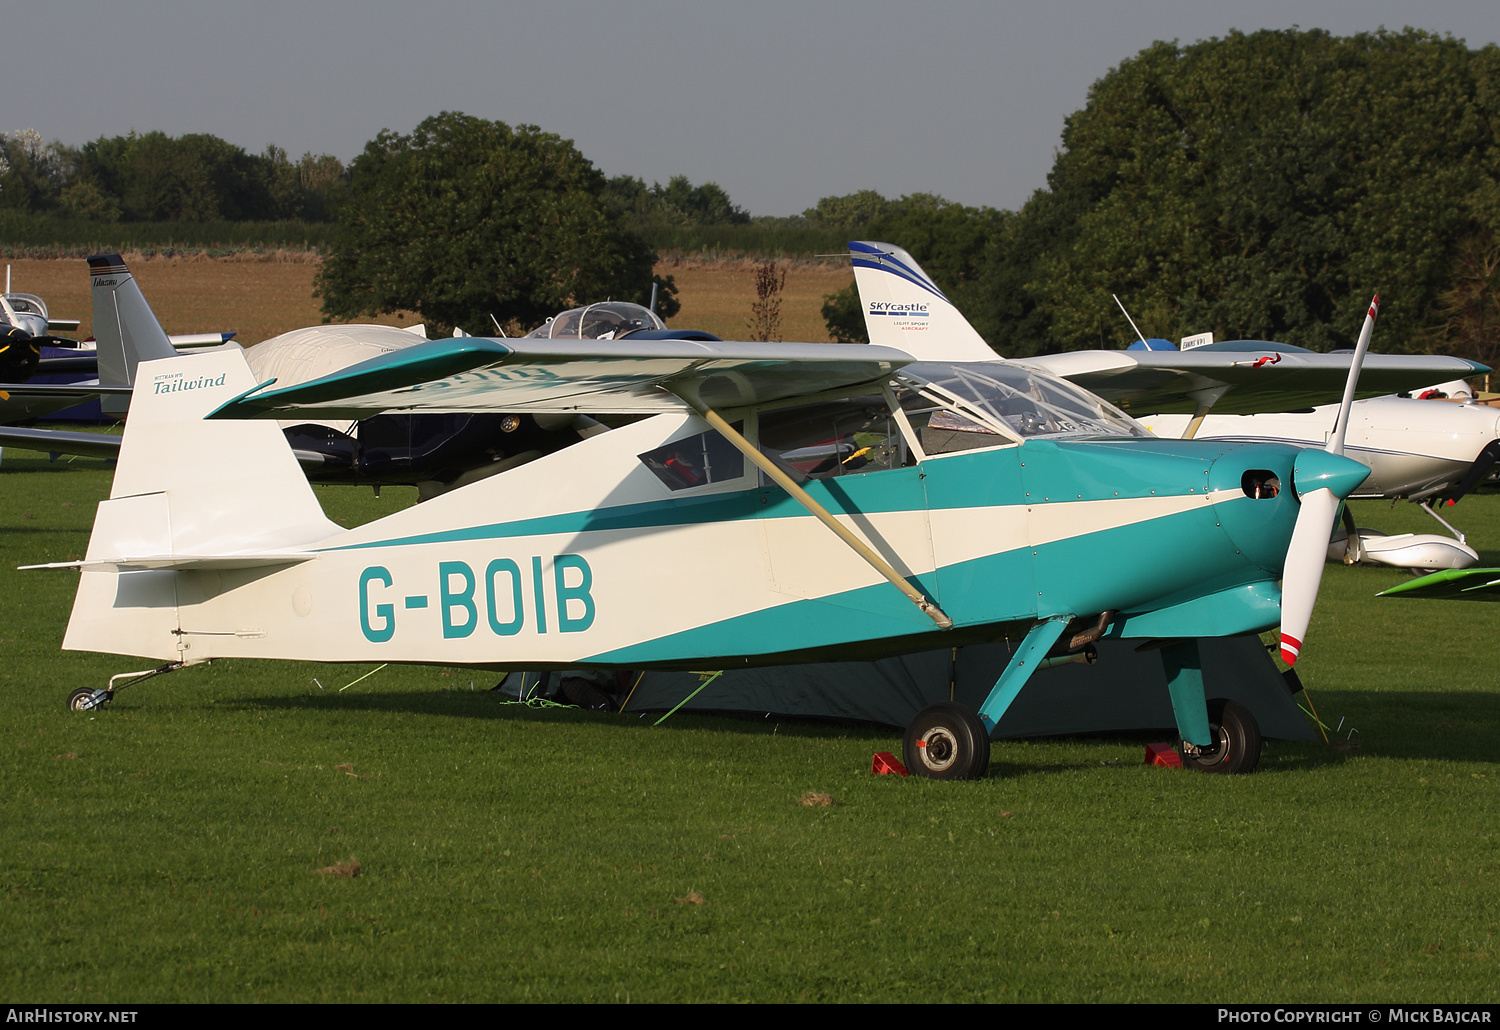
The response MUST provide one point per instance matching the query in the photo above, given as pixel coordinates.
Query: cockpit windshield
(609, 320)
(1027, 403)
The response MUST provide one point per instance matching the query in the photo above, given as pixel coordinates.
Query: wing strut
(1204, 399)
(802, 497)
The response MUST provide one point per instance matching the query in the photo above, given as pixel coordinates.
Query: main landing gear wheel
(946, 741)
(86, 699)
(1236, 746)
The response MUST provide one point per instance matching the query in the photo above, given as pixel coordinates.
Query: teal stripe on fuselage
(1095, 469)
(1115, 569)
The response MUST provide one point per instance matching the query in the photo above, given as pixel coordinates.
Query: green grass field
(177, 846)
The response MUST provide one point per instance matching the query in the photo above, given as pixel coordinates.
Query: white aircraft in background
(1418, 449)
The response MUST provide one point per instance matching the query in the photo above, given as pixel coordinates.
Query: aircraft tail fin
(125, 328)
(188, 493)
(905, 309)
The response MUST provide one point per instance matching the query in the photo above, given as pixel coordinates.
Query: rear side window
(696, 461)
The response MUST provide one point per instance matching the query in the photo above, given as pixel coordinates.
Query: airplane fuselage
(1412, 447)
(584, 557)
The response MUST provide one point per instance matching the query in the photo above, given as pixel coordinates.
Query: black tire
(946, 741)
(1236, 747)
(81, 700)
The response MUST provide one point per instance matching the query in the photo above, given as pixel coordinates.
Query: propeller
(1322, 480)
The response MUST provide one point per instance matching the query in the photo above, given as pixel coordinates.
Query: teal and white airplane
(771, 503)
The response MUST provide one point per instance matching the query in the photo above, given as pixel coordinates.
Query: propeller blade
(1341, 427)
(1477, 471)
(1322, 480)
(1305, 559)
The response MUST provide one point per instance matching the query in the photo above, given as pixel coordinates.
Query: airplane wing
(1247, 381)
(191, 341)
(87, 364)
(57, 441)
(9, 391)
(107, 445)
(1451, 585)
(601, 376)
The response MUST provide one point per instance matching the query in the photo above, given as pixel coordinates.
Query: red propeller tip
(1290, 648)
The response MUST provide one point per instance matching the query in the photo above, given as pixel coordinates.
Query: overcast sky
(779, 102)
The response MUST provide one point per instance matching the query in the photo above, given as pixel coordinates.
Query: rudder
(125, 328)
(905, 309)
(186, 489)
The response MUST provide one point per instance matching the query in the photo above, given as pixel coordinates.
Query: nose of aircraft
(1319, 470)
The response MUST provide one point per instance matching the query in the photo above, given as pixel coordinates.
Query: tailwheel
(1236, 741)
(86, 699)
(946, 741)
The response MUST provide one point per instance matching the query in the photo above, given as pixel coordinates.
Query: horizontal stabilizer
(184, 561)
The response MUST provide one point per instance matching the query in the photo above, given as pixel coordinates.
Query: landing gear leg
(85, 699)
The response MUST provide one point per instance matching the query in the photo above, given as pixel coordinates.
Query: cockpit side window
(838, 438)
(943, 427)
(1018, 401)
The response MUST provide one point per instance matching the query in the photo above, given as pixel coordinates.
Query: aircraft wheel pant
(946, 741)
(1236, 747)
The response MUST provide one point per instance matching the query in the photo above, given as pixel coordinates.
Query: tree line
(1258, 186)
(153, 177)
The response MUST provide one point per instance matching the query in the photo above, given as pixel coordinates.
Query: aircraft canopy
(608, 320)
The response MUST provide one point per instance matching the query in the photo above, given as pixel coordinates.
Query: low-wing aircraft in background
(726, 526)
(34, 383)
(432, 451)
(1256, 391)
(25, 328)
(28, 313)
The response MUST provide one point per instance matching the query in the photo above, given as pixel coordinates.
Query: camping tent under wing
(1126, 690)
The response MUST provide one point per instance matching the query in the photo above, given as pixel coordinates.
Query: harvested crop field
(263, 298)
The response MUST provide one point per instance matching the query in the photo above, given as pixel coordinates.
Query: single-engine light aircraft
(773, 503)
(1241, 390)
